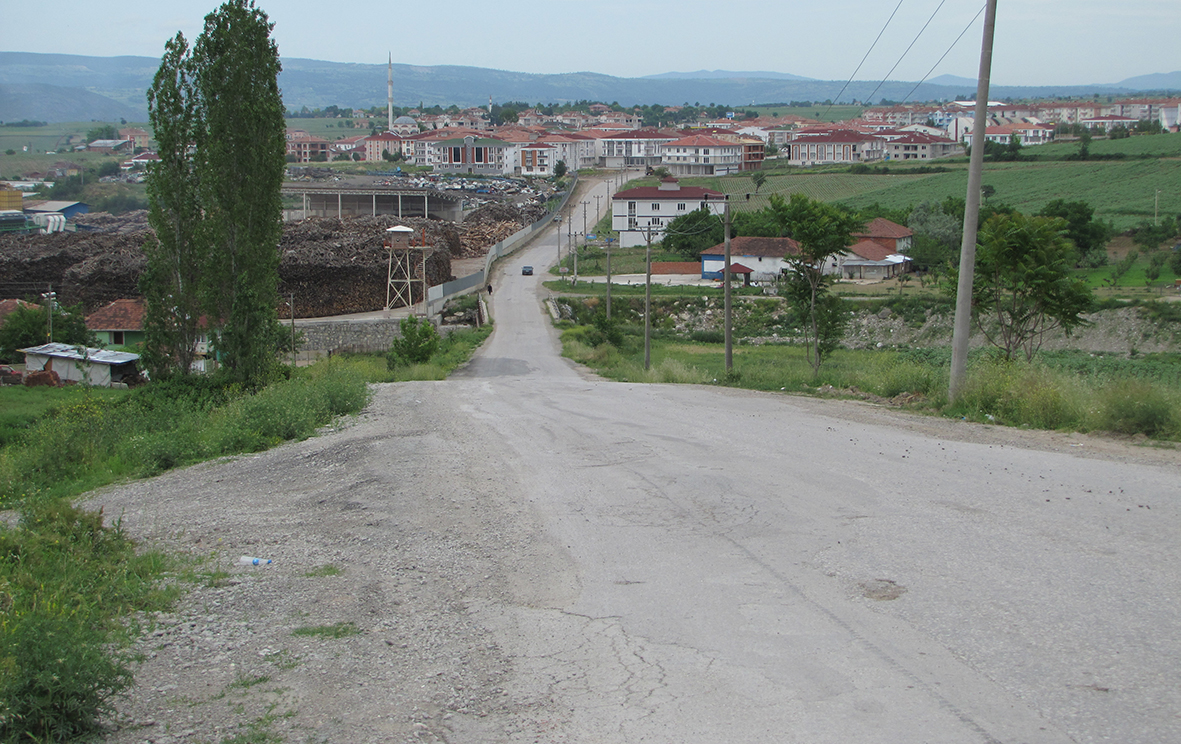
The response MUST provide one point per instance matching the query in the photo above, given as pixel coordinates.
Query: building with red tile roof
(638, 211)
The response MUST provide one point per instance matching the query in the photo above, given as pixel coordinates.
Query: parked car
(526, 271)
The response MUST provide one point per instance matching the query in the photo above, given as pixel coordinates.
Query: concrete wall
(349, 335)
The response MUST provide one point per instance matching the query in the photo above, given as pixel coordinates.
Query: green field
(819, 111)
(1122, 191)
(43, 144)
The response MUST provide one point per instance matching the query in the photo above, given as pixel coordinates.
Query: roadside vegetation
(71, 585)
(1081, 391)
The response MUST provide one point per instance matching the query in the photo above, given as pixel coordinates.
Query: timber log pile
(332, 266)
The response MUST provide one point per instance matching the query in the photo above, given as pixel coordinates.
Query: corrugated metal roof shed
(97, 356)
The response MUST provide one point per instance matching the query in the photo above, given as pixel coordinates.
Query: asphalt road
(735, 566)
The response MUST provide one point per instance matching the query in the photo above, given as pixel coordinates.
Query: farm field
(1122, 191)
(43, 143)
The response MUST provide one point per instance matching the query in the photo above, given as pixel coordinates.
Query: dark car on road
(526, 271)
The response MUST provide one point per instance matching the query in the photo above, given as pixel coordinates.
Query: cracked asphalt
(532, 554)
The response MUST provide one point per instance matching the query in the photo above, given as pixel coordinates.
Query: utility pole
(726, 293)
(648, 303)
(292, 305)
(49, 296)
(608, 241)
(584, 203)
(1156, 210)
(963, 299)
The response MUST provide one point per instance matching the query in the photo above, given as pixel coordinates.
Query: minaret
(490, 105)
(390, 96)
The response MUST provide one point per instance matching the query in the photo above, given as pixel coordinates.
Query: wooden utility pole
(963, 299)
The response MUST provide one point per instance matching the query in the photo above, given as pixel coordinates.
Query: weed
(325, 570)
(337, 630)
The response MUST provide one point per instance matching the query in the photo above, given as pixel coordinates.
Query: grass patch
(337, 630)
(325, 570)
(1060, 390)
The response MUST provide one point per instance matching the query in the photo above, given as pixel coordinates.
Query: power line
(871, 46)
(957, 40)
(912, 43)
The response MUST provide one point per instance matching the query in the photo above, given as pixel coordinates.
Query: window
(680, 207)
(117, 337)
(631, 206)
(655, 206)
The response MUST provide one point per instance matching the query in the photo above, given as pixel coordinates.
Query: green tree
(1023, 287)
(171, 280)
(560, 168)
(1089, 235)
(418, 342)
(102, 132)
(692, 233)
(27, 326)
(822, 231)
(240, 163)
(758, 178)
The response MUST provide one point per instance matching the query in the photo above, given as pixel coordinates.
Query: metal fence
(438, 295)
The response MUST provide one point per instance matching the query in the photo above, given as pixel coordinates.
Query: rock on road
(532, 554)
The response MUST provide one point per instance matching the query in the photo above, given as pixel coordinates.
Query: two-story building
(647, 210)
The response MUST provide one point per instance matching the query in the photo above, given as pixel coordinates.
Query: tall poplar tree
(171, 280)
(214, 195)
(241, 160)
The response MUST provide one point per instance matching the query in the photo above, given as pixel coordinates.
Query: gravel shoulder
(406, 525)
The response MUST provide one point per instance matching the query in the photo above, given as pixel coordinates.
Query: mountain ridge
(77, 85)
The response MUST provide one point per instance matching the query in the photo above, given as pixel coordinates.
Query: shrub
(64, 581)
(419, 340)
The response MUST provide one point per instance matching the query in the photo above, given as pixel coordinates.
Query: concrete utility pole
(292, 305)
(583, 237)
(726, 293)
(390, 96)
(648, 303)
(963, 299)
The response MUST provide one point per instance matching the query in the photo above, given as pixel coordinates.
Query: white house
(636, 212)
(767, 258)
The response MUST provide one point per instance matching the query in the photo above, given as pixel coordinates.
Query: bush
(65, 581)
(418, 342)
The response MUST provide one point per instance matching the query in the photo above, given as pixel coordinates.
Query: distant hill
(723, 75)
(63, 87)
(56, 103)
(1156, 81)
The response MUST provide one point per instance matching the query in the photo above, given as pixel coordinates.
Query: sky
(1050, 42)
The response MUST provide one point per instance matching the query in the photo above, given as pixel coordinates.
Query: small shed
(82, 364)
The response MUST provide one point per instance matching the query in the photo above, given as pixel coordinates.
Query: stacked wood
(333, 266)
